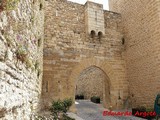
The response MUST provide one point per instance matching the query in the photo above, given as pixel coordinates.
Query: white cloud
(104, 2)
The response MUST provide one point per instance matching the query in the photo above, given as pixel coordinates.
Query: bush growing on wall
(8, 4)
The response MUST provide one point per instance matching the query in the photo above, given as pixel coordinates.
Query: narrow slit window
(46, 86)
(40, 6)
(123, 41)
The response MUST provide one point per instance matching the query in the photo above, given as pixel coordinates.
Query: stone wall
(68, 50)
(142, 40)
(21, 43)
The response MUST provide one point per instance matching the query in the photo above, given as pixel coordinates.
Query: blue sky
(104, 2)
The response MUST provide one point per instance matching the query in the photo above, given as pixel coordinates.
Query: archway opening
(91, 82)
(93, 34)
(100, 34)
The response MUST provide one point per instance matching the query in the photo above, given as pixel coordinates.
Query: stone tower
(94, 18)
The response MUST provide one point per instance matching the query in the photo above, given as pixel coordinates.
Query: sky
(104, 2)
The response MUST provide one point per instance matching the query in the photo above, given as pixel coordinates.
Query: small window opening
(39, 42)
(123, 41)
(119, 97)
(46, 86)
(93, 34)
(40, 6)
(100, 34)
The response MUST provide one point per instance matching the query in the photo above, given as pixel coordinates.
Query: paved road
(91, 111)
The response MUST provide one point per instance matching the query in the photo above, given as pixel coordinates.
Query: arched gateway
(110, 98)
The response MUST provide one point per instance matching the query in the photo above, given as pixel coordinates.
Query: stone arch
(103, 90)
(100, 34)
(92, 33)
(105, 67)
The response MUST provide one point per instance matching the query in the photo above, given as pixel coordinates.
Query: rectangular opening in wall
(46, 86)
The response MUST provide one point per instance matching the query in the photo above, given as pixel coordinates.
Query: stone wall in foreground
(21, 43)
(141, 21)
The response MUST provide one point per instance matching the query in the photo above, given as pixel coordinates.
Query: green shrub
(8, 4)
(36, 65)
(29, 63)
(21, 53)
(39, 71)
(67, 103)
(60, 107)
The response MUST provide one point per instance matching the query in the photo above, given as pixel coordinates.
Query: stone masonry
(85, 50)
(141, 22)
(21, 47)
(94, 18)
(69, 49)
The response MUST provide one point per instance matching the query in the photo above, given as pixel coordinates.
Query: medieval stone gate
(93, 81)
(77, 37)
(108, 96)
